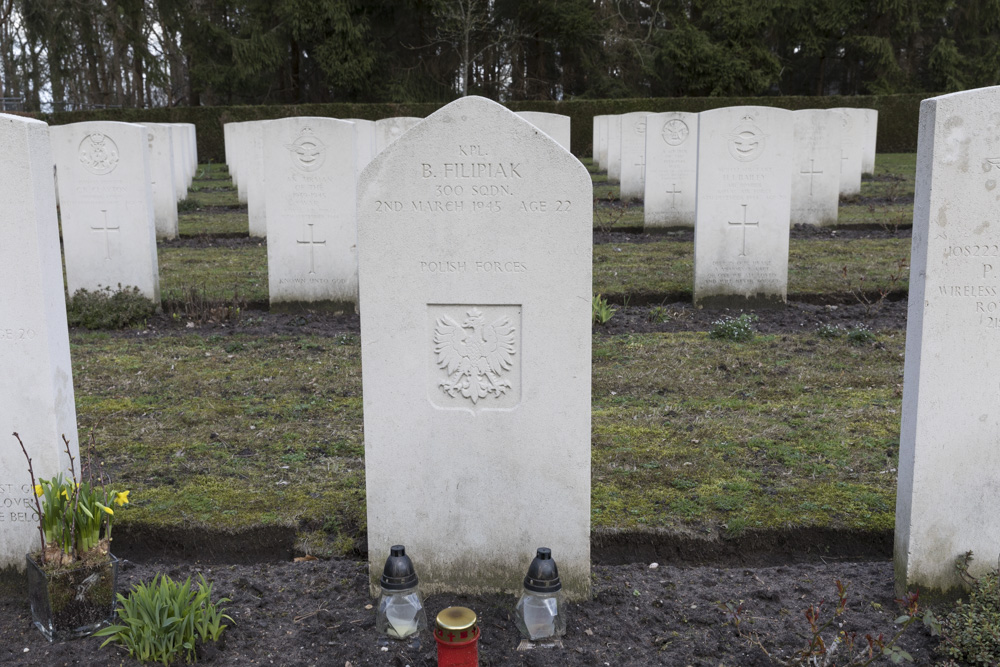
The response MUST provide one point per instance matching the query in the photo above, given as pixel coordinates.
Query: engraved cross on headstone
(812, 172)
(642, 166)
(312, 243)
(744, 225)
(673, 195)
(107, 229)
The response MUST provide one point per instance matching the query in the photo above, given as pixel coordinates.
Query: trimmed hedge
(897, 126)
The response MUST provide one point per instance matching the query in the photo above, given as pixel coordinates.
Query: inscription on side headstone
(475, 256)
(36, 395)
(743, 203)
(161, 169)
(949, 456)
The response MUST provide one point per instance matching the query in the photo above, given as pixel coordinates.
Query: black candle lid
(543, 575)
(398, 574)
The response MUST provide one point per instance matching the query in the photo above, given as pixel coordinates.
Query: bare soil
(318, 613)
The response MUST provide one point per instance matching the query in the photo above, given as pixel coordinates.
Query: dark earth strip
(315, 613)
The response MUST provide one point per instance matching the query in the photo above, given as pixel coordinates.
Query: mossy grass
(234, 431)
(199, 222)
(652, 272)
(237, 431)
(223, 270)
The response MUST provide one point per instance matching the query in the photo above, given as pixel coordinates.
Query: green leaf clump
(163, 621)
(109, 309)
(971, 631)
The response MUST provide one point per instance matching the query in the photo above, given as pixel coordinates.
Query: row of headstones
(299, 178)
(655, 157)
(466, 368)
(476, 343)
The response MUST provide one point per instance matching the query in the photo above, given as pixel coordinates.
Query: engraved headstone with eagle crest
(743, 206)
(106, 206)
(475, 246)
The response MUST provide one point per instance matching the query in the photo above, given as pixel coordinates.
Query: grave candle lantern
(539, 612)
(401, 612)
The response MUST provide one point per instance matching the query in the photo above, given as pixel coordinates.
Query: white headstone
(179, 165)
(633, 155)
(595, 140)
(816, 173)
(241, 132)
(192, 137)
(555, 125)
(475, 255)
(871, 138)
(605, 124)
(671, 170)
(36, 395)
(614, 148)
(365, 142)
(257, 175)
(743, 201)
(948, 454)
(106, 206)
(388, 130)
(312, 232)
(851, 150)
(161, 168)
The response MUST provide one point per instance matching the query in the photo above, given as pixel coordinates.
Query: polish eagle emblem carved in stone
(476, 355)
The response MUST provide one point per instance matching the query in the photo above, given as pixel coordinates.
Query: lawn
(227, 429)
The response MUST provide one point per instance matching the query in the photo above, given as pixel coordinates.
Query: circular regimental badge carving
(746, 141)
(98, 154)
(640, 126)
(674, 132)
(307, 152)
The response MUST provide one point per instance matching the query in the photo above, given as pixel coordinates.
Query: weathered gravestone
(256, 179)
(161, 169)
(475, 237)
(312, 259)
(105, 201)
(871, 139)
(743, 200)
(949, 461)
(852, 148)
(614, 148)
(816, 172)
(595, 141)
(671, 171)
(633, 155)
(36, 395)
(555, 125)
(388, 130)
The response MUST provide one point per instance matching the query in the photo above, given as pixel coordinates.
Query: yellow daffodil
(121, 498)
(38, 490)
(64, 495)
(107, 509)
